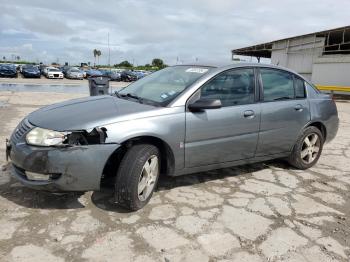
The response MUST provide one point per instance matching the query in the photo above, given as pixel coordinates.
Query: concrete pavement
(260, 212)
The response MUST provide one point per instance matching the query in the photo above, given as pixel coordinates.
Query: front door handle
(249, 114)
(298, 107)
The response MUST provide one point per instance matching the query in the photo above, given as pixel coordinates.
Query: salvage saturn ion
(179, 120)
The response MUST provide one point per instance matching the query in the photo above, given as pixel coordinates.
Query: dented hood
(85, 113)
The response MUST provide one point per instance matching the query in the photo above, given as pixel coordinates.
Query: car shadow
(105, 199)
(23, 196)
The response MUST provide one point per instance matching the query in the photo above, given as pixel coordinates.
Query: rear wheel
(308, 148)
(137, 176)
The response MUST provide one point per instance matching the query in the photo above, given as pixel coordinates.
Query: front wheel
(307, 149)
(137, 176)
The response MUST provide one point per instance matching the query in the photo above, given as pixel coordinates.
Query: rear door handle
(249, 114)
(298, 107)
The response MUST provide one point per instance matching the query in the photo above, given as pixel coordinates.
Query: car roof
(219, 68)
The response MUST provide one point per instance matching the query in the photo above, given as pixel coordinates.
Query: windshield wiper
(140, 99)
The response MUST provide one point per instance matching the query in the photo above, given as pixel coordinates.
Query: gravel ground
(259, 212)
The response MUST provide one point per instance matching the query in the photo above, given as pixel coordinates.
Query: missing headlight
(96, 136)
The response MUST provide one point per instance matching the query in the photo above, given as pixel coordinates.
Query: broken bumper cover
(76, 168)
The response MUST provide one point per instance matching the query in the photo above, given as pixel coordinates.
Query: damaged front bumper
(59, 169)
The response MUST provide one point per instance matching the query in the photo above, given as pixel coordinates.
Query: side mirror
(202, 104)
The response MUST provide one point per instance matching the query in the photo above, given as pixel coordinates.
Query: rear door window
(299, 88)
(277, 85)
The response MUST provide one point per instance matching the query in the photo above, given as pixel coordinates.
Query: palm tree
(99, 53)
(95, 54)
(18, 58)
(4, 58)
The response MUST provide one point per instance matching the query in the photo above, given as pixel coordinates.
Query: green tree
(124, 64)
(158, 63)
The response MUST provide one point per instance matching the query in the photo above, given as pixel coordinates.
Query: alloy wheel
(148, 177)
(310, 148)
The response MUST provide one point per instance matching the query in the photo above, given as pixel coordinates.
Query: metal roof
(265, 49)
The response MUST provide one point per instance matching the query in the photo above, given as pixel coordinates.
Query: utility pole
(109, 54)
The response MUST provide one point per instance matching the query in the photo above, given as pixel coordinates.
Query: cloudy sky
(184, 30)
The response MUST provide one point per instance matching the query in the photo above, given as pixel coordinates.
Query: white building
(323, 57)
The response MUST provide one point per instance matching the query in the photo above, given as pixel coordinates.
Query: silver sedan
(176, 121)
(74, 73)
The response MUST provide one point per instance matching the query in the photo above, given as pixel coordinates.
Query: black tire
(129, 173)
(295, 158)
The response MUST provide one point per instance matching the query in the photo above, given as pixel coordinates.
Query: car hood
(85, 113)
(7, 70)
(32, 71)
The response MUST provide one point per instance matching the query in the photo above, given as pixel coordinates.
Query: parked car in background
(42, 69)
(64, 69)
(54, 73)
(176, 121)
(84, 70)
(8, 70)
(45, 70)
(140, 73)
(74, 73)
(104, 71)
(93, 72)
(31, 71)
(113, 75)
(128, 76)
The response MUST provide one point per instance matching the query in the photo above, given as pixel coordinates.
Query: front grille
(56, 75)
(23, 127)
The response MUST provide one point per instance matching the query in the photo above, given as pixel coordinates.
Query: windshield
(54, 70)
(75, 70)
(30, 67)
(5, 67)
(165, 85)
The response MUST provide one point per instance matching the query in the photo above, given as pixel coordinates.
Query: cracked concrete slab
(281, 241)
(258, 212)
(162, 212)
(333, 245)
(306, 205)
(113, 246)
(31, 253)
(263, 188)
(218, 244)
(160, 237)
(244, 223)
(191, 224)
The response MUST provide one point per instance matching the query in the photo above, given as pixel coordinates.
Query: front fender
(168, 128)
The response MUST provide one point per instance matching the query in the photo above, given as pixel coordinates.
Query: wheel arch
(321, 127)
(112, 164)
